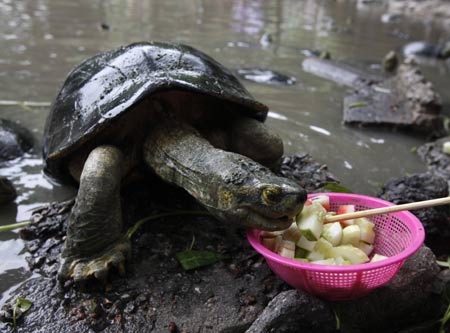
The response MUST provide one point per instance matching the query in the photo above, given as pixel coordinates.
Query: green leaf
(138, 224)
(332, 187)
(23, 304)
(191, 259)
(443, 263)
(357, 105)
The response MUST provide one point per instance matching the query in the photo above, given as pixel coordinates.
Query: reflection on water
(42, 40)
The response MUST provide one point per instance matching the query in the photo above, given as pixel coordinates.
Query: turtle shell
(105, 86)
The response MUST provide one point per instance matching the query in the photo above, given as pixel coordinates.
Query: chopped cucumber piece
(306, 244)
(271, 243)
(301, 259)
(367, 235)
(323, 199)
(332, 232)
(367, 230)
(366, 248)
(323, 246)
(310, 240)
(351, 235)
(446, 147)
(310, 221)
(350, 253)
(287, 253)
(364, 222)
(329, 261)
(314, 255)
(341, 261)
(292, 233)
(286, 249)
(300, 253)
(378, 257)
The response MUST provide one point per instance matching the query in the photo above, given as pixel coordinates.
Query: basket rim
(418, 237)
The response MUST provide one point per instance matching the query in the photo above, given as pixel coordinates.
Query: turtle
(170, 111)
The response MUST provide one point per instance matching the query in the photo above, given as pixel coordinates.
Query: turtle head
(260, 199)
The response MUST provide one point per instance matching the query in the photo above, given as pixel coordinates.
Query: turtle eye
(272, 195)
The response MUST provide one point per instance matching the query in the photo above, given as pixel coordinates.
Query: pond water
(42, 40)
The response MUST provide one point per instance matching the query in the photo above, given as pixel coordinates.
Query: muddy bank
(428, 11)
(156, 293)
(238, 293)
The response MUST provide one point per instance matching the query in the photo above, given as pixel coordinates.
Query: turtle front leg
(95, 242)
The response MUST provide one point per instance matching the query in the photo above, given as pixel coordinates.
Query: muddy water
(41, 40)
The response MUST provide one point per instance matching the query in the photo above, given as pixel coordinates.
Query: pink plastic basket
(398, 236)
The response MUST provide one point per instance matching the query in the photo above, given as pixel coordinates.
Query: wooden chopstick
(390, 209)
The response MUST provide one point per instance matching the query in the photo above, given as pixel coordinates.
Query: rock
(266, 76)
(411, 298)
(7, 191)
(408, 299)
(342, 74)
(15, 140)
(407, 100)
(425, 49)
(266, 39)
(437, 161)
(436, 220)
(390, 61)
(322, 54)
(390, 18)
(293, 311)
(430, 11)
(309, 174)
(104, 26)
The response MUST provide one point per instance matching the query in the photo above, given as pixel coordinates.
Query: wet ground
(43, 39)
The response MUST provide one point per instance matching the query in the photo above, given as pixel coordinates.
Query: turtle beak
(255, 219)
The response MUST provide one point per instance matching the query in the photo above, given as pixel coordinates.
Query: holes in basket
(378, 276)
(331, 279)
(393, 235)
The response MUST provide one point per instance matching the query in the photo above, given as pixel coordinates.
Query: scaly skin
(94, 240)
(231, 186)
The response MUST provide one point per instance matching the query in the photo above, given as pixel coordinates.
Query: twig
(13, 226)
(23, 103)
(139, 223)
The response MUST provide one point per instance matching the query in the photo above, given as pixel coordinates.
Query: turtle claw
(82, 270)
